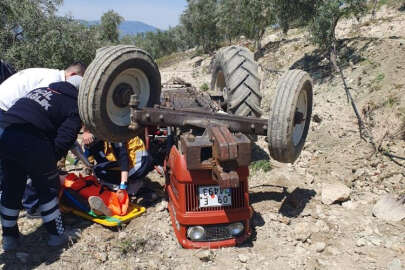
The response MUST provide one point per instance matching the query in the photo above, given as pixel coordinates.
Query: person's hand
(87, 137)
(122, 195)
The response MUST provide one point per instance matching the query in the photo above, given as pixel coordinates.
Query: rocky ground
(314, 214)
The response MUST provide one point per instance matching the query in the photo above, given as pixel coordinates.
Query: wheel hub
(298, 118)
(122, 95)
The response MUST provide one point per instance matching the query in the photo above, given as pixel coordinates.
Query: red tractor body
(183, 188)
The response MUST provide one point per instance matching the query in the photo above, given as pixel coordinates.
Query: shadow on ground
(34, 250)
(258, 153)
(272, 46)
(319, 67)
(292, 205)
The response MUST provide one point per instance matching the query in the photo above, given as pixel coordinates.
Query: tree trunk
(374, 9)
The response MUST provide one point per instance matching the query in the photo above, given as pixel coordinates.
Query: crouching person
(35, 133)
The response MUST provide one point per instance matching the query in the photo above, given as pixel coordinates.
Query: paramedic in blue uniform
(16, 87)
(35, 132)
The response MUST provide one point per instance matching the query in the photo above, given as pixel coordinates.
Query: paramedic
(35, 132)
(16, 87)
(122, 165)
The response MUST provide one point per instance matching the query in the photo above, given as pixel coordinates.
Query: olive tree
(327, 14)
(109, 26)
(256, 15)
(200, 21)
(33, 36)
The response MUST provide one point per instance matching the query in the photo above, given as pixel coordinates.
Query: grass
(260, 165)
(380, 77)
(204, 87)
(127, 246)
(376, 82)
(391, 101)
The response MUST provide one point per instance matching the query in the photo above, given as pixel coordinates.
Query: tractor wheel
(290, 116)
(115, 74)
(236, 76)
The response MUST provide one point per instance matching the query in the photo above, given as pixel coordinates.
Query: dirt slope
(293, 229)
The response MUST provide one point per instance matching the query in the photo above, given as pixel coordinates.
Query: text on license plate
(214, 196)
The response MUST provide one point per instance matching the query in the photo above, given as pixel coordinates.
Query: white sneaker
(98, 206)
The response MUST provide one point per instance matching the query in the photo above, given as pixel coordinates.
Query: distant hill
(129, 27)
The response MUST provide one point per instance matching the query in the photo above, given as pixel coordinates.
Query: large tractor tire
(236, 76)
(115, 74)
(290, 116)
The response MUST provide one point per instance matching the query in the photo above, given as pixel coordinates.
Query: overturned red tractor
(203, 145)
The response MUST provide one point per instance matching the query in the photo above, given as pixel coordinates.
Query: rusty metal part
(188, 98)
(219, 151)
(161, 116)
(225, 179)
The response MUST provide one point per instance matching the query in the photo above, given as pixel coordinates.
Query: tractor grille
(192, 203)
(217, 232)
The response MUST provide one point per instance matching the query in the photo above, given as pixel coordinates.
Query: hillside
(129, 27)
(293, 226)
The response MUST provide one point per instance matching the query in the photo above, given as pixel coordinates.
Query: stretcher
(134, 211)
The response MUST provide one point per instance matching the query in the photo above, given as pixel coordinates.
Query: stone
(395, 265)
(22, 256)
(101, 256)
(332, 250)
(361, 242)
(316, 118)
(321, 226)
(350, 205)
(375, 240)
(390, 209)
(333, 193)
(302, 231)
(205, 255)
(242, 258)
(162, 206)
(122, 235)
(319, 246)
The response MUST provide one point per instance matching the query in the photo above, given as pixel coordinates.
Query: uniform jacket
(21, 83)
(53, 110)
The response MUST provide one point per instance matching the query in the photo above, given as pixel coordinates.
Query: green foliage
(200, 20)
(160, 43)
(127, 246)
(228, 23)
(204, 87)
(256, 15)
(293, 12)
(260, 165)
(380, 77)
(109, 26)
(327, 14)
(33, 36)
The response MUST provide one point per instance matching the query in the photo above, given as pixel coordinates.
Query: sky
(158, 13)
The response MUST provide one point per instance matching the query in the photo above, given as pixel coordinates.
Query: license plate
(214, 196)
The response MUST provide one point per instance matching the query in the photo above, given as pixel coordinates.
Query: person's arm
(67, 135)
(124, 180)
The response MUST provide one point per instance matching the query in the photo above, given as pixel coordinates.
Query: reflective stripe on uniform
(7, 223)
(54, 215)
(9, 212)
(138, 161)
(49, 205)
